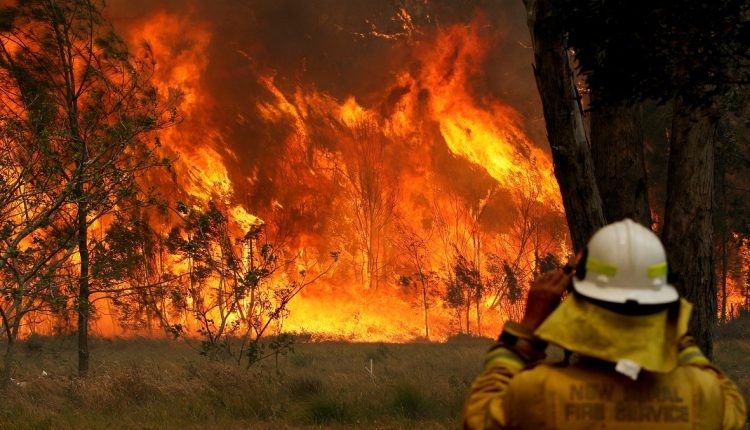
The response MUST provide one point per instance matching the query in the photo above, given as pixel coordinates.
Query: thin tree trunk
(479, 315)
(619, 163)
(723, 230)
(425, 306)
(468, 311)
(476, 238)
(688, 226)
(724, 269)
(8, 361)
(574, 168)
(426, 320)
(83, 287)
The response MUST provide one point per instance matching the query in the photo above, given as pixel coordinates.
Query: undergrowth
(163, 384)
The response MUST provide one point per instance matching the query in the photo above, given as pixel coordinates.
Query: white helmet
(626, 262)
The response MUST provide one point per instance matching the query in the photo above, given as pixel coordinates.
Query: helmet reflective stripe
(602, 267)
(656, 270)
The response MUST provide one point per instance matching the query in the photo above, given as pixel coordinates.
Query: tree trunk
(688, 226)
(468, 310)
(724, 269)
(8, 361)
(425, 305)
(574, 168)
(477, 303)
(83, 286)
(723, 230)
(619, 163)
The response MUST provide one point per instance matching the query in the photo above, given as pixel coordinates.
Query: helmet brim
(613, 294)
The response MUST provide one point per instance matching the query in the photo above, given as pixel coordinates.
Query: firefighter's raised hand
(544, 296)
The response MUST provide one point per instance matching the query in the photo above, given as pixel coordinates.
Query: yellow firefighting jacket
(692, 394)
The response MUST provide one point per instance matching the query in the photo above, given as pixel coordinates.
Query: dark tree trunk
(724, 268)
(83, 290)
(574, 168)
(425, 304)
(722, 230)
(468, 311)
(688, 226)
(425, 308)
(8, 360)
(619, 163)
(477, 303)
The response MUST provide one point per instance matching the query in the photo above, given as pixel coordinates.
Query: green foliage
(503, 281)
(176, 330)
(232, 290)
(280, 345)
(467, 274)
(211, 348)
(515, 293)
(77, 112)
(454, 296)
(255, 353)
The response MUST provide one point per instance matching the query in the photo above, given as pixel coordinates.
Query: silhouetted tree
(690, 55)
(417, 253)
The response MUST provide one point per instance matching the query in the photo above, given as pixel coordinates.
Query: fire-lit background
(406, 137)
(363, 170)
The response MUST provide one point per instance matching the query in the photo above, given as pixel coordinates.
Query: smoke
(341, 48)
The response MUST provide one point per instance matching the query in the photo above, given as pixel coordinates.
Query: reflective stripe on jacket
(591, 395)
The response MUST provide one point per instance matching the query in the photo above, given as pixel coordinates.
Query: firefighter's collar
(647, 341)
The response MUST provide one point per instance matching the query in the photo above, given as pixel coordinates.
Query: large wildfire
(375, 134)
(374, 173)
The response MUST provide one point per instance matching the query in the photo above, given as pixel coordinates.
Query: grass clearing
(162, 384)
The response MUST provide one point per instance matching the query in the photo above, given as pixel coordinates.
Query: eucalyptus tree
(35, 244)
(237, 283)
(99, 109)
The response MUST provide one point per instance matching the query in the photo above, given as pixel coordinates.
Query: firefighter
(635, 366)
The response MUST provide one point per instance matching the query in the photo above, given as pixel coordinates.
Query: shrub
(324, 410)
(35, 343)
(409, 402)
(304, 386)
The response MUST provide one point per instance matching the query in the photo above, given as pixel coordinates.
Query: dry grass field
(161, 384)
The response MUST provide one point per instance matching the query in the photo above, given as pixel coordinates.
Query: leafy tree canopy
(659, 49)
